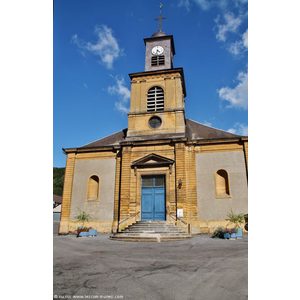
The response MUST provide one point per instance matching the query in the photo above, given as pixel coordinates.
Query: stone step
(158, 223)
(149, 237)
(151, 231)
(150, 234)
(155, 232)
(154, 227)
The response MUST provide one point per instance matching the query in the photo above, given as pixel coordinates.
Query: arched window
(155, 99)
(222, 184)
(93, 188)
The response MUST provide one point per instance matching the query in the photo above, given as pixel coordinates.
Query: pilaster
(125, 185)
(181, 175)
(67, 194)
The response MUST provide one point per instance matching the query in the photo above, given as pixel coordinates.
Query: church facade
(163, 167)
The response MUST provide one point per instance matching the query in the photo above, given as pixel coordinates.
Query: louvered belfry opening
(157, 60)
(155, 99)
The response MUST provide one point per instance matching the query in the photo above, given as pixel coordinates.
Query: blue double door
(153, 198)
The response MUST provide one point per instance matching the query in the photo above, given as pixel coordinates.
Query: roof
(159, 33)
(57, 198)
(194, 131)
(111, 140)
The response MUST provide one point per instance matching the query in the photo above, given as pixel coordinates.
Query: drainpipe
(191, 208)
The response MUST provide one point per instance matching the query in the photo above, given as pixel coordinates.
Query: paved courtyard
(199, 268)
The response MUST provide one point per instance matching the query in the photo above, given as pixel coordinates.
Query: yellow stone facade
(173, 120)
(127, 195)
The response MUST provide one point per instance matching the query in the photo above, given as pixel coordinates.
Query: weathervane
(160, 19)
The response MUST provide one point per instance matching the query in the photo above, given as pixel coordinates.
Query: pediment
(152, 160)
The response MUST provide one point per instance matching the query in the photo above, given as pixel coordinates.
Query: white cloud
(122, 92)
(227, 23)
(107, 47)
(236, 48)
(184, 3)
(240, 129)
(239, 47)
(204, 4)
(207, 123)
(231, 24)
(245, 39)
(237, 96)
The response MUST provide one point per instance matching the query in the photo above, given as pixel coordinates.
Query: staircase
(151, 231)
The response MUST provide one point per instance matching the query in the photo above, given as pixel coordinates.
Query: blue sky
(96, 44)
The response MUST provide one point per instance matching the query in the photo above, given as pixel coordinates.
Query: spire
(160, 18)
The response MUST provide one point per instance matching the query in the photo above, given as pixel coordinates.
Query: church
(163, 167)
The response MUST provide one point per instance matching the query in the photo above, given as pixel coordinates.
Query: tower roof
(159, 33)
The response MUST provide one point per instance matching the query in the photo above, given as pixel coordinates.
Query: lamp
(179, 183)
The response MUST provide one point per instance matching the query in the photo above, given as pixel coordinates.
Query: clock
(157, 50)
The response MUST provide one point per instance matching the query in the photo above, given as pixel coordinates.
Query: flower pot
(230, 236)
(226, 236)
(93, 232)
(84, 234)
(233, 236)
(239, 234)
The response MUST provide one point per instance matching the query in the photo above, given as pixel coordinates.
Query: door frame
(169, 185)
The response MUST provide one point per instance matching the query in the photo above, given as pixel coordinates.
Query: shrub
(219, 232)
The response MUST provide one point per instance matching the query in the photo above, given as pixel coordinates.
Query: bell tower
(158, 94)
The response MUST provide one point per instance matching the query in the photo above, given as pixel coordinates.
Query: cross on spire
(160, 19)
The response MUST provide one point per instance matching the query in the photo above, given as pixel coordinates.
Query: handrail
(178, 218)
(129, 218)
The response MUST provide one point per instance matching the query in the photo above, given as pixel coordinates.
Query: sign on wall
(179, 212)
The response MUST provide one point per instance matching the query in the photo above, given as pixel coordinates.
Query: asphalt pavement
(201, 268)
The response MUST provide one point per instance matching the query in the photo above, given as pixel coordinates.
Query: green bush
(58, 180)
(219, 232)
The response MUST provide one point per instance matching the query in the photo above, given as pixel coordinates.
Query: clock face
(157, 50)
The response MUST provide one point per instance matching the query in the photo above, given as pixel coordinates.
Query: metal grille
(159, 180)
(157, 60)
(151, 181)
(155, 99)
(147, 181)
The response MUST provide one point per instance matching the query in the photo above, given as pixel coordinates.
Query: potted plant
(238, 220)
(231, 233)
(84, 231)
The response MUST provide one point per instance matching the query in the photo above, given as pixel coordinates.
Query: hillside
(58, 180)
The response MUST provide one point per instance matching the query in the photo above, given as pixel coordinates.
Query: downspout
(119, 200)
(190, 191)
